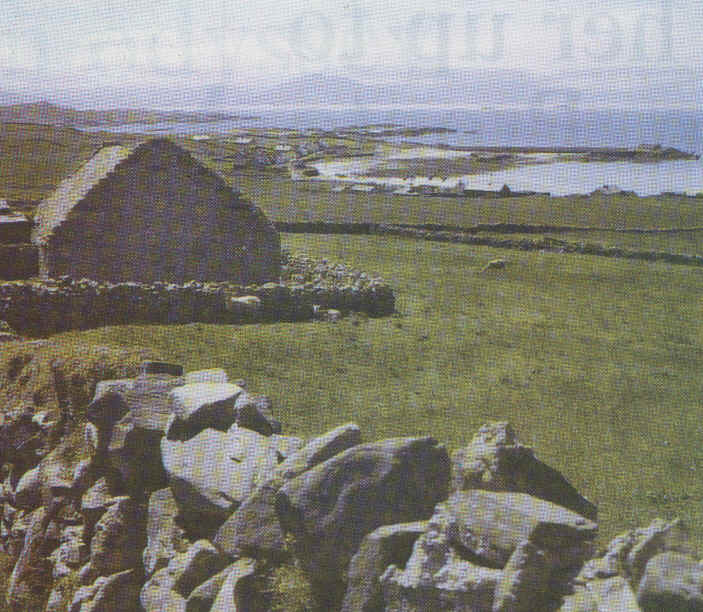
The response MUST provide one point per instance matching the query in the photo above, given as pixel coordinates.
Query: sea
(534, 127)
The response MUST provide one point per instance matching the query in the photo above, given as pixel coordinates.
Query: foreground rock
(331, 507)
(492, 525)
(212, 473)
(200, 522)
(436, 577)
(254, 529)
(388, 545)
(671, 581)
(133, 447)
(114, 593)
(200, 405)
(496, 461)
(493, 552)
(165, 537)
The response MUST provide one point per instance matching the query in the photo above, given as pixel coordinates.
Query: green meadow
(595, 361)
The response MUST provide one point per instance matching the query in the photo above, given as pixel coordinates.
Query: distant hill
(52, 114)
(443, 87)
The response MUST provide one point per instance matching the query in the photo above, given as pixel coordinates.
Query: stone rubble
(183, 495)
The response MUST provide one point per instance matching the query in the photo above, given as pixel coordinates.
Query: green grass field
(595, 361)
(690, 242)
(286, 200)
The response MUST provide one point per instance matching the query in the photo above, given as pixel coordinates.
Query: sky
(621, 49)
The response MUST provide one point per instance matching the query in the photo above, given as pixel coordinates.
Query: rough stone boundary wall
(524, 244)
(331, 227)
(43, 308)
(18, 261)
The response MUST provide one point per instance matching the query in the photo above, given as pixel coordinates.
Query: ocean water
(537, 127)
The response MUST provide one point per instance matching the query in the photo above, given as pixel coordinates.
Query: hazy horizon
(211, 55)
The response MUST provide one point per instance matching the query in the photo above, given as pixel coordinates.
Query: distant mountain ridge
(53, 114)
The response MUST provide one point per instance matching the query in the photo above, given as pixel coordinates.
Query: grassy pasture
(286, 200)
(595, 361)
(689, 242)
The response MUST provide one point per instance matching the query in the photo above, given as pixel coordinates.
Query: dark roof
(54, 210)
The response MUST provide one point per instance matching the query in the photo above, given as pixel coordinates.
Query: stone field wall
(182, 492)
(41, 308)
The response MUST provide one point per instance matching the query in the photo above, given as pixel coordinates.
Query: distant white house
(283, 147)
(245, 140)
(406, 191)
(608, 190)
(201, 137)
(364, 188)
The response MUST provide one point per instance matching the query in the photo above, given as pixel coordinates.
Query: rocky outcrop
(331, 507)
(182, 494)
(496, 461)
(671, 581)
(254, 529)
(214, 472)
(387, 545)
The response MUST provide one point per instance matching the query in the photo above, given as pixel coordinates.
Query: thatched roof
(54, 210)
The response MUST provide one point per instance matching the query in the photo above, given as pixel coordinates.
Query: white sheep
(494, 264)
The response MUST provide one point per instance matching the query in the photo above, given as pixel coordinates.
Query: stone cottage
(153, 213)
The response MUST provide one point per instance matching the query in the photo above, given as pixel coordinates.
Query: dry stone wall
(219, 498)
(308, 289)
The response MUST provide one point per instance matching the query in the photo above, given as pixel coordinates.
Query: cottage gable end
(149, 213)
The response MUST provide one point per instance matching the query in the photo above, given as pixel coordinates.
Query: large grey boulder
(164, 536)
(170, 587)
(133, 447)
(212, 375)
(496, 461)
(491, 526)
(212, 473)
(628, 554)
(236, 594)
(525, 580)
(255, 412)
(320, 449)
(331, 507)
(436, 577)
(199, 563)
(602, 595)
(157, 594)
(109, 405)
(203, 596)
(387, 545)
(118, 540)
(254, 529)
(115, 593)
(200, 405)
(671, 582)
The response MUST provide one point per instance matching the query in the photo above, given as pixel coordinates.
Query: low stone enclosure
(181, 493)
(307, 289)
(472, 236)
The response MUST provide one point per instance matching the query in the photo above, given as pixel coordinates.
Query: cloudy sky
(646, 51)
